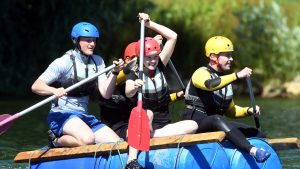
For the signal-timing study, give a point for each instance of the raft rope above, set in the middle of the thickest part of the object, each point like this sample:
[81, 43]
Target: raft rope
[95, 154]
[44, 149]
[110, 152]
[179, 151]
[109, 158]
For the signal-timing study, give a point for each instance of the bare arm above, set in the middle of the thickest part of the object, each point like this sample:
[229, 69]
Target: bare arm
[132, 87]
[41, 88]
[107, 87]
[167, 33]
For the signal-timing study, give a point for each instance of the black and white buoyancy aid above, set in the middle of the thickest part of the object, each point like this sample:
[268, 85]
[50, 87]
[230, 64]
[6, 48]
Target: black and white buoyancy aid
[215, 102]
[156, 94]
[223, 96]
[79, 74]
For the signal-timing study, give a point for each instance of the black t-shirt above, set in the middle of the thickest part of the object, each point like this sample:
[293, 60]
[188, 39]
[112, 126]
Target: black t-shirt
[115, 112]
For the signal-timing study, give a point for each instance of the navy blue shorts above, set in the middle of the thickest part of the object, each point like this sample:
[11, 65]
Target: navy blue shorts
[57, 120]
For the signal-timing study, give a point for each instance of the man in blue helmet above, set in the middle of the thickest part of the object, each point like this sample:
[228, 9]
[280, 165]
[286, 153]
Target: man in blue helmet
[69, 120]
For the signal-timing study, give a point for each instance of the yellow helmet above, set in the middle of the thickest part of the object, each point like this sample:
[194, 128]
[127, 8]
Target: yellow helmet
[218, 44]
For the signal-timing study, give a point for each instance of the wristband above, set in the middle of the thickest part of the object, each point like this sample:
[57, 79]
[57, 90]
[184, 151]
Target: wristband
[115, 73]
[248, 112]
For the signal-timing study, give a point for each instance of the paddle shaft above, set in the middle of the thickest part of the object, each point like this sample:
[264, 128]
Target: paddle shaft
[138, 125]
[141, 59]
[249, 84]
[172, 67]
[141, 67]
[17, 115]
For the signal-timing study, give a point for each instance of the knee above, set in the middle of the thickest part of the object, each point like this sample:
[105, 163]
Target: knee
[87, 140]
[150, 115]
[217, 118]
[220, 123]
[191, 127]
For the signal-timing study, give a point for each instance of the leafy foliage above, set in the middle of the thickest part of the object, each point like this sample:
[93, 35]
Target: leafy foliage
[195, 21]
[260, 31]
[34, 33]
[266, 41]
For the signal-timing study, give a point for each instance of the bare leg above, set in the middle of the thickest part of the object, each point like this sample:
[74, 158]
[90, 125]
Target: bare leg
[178, 128]
[76, 133]
[150, 118]
[133, 153]
[106, 134]
[65, 140]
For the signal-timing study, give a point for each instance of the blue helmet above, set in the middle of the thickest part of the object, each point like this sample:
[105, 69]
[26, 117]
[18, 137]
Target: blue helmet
[84, 29]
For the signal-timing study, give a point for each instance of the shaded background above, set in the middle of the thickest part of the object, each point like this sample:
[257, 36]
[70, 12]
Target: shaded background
[265, 34]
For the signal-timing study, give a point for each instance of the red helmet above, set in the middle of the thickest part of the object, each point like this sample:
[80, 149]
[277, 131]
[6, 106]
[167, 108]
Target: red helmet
[130, 51]
[151, 47]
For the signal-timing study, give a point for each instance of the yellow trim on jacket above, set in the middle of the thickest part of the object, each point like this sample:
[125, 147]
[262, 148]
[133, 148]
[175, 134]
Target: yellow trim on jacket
[235, 111]
[202, 74]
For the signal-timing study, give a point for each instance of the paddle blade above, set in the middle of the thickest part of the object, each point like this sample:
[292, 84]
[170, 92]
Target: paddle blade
[5, 126]
[138, 130]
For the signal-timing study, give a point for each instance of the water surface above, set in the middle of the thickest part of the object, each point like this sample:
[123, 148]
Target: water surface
[280, 119]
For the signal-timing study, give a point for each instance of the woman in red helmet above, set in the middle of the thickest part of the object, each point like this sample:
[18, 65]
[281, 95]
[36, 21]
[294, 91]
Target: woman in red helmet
[115, 112]
[155, 88]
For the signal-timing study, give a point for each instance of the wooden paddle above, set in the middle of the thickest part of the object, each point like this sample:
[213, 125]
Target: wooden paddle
[249, 84]
[7, 119]
[138, 126]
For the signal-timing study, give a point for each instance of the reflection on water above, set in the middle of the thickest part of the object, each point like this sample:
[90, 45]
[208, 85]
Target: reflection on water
[280, 119]
[9, 164]
[290, 159]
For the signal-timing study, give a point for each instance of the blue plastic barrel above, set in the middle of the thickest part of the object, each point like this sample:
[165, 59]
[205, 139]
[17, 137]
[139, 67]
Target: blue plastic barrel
[242, 160]
[199, 156]
[99, 162]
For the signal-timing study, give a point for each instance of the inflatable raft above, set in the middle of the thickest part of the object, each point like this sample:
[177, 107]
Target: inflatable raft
[195, 151]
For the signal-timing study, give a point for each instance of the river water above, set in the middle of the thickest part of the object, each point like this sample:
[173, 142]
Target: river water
[280, 119]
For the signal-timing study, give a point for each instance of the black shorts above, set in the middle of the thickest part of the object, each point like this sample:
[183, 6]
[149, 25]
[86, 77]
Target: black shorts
[122, 132]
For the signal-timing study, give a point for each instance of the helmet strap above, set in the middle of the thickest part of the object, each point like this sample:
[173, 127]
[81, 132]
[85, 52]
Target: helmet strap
[219, 66]
[77, 46]
[215, 60]
[151, 73]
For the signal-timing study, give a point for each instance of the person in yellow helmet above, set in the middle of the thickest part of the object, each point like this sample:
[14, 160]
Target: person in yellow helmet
[209, 97]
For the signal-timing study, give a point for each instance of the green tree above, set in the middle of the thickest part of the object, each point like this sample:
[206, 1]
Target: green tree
[266, 42]
[195, 21]
[34, 33]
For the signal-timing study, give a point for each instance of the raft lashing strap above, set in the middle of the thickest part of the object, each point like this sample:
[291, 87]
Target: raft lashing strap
[44, 149]
[116, 144]
[179, 151]
[95, 154]
[109, 158]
